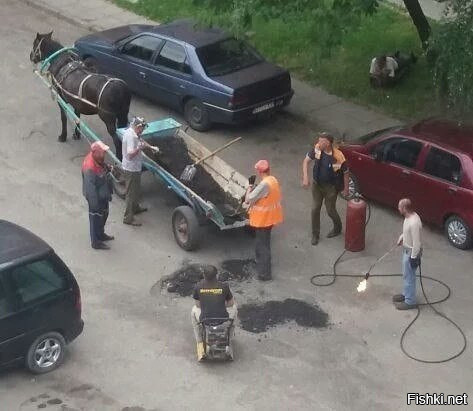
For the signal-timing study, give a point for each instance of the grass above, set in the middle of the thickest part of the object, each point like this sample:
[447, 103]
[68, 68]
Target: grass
[345, 71]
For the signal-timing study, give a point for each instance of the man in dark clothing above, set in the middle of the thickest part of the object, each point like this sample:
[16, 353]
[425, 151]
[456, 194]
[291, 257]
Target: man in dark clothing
[97, 189]
[330, 176]
[213, 299]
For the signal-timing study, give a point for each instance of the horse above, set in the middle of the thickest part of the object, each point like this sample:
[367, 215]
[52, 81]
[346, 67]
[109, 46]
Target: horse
[87, 92]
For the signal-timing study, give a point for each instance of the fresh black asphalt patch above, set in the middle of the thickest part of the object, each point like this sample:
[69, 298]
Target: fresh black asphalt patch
[183, 280]
[258, 318]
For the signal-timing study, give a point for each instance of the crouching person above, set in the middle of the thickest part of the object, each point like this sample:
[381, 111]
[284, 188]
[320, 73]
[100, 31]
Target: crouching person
[97, 189]
[213, 299]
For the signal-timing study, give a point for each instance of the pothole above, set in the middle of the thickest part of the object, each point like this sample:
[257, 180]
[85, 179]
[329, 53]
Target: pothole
[236, 270]
[257, 318]
[183, 280]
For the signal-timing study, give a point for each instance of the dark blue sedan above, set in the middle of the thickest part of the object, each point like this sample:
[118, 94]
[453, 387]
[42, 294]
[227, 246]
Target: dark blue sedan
[204, 72]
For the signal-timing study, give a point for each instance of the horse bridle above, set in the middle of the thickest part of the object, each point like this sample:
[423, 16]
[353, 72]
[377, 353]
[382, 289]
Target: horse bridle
[37, 50]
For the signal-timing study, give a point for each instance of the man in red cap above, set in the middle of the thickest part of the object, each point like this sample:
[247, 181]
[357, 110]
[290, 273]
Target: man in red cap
[97, 189]
[265, 211]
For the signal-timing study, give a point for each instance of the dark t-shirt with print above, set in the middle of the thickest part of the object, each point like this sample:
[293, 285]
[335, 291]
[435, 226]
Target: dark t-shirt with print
[212, 297]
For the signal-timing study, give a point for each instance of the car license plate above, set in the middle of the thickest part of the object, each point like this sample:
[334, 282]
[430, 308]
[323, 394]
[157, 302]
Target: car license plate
[268, 106]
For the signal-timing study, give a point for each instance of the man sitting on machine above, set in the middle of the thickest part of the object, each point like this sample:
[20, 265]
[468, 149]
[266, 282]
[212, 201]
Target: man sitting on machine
[213, 299]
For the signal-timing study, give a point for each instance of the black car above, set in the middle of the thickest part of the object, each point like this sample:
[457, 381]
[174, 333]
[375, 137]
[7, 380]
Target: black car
[205, 72]
[40, 303]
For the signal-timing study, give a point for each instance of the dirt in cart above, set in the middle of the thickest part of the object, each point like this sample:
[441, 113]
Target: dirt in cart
[174, 157]
[257, 318]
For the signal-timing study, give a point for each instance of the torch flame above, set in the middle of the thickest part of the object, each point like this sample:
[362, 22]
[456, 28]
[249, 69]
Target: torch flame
[362, 286]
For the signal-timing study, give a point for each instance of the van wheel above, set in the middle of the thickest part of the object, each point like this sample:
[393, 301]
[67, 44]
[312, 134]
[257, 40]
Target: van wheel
[458, 233]
[46, 353]
[197, 115]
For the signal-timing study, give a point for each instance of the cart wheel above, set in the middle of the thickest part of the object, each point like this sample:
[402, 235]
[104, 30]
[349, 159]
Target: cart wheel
[185, 227]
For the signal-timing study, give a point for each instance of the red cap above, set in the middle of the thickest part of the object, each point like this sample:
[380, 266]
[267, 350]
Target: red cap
[262, 166]
[98, 146]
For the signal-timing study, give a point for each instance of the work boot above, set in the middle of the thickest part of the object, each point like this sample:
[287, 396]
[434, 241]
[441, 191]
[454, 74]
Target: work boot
[100, 246]
[140, 210]
[404, 306]
[398, 298]
[132, 222]
[315, 240]
[334, 233]
[200, 351]
[107, 237]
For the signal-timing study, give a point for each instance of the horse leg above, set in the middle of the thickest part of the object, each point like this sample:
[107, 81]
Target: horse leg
[63, 136]
[110, 122]
[122, 119]
[77, 129]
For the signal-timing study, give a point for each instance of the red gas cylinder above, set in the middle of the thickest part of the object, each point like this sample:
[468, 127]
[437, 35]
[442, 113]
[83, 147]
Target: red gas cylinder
[355, 225]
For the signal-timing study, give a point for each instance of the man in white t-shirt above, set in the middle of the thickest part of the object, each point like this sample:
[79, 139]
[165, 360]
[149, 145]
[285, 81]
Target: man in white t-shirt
[411, 241]
[132, 163]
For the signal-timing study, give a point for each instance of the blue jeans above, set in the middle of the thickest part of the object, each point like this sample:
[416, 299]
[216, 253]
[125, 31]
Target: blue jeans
[409, 278]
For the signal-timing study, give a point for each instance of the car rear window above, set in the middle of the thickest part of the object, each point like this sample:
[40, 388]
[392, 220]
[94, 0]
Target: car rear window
[227, 56]
[38, 280]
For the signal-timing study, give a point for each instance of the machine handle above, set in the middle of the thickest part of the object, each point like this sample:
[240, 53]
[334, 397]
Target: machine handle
[406, 172]
[142, 74]
[452, 190]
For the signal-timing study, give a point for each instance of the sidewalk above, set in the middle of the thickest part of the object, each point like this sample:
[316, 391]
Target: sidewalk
[310, 105]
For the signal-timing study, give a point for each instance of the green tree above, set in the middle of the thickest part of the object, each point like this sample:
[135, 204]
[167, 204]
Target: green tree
[452, 48]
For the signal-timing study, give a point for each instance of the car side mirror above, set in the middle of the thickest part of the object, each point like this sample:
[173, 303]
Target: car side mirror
[377, 155]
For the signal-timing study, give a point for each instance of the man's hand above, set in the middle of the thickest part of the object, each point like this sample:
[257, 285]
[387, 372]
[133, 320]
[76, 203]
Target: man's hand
[305, 182]
[251, 180]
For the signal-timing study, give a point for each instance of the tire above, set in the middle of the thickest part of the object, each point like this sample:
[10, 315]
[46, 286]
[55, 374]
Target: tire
[197, 115]
[458, 233]
[51, 359]
[186, 228]
[353, 187]
[91, 64]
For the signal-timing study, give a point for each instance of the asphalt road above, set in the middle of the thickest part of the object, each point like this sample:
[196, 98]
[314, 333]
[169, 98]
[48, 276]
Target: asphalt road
[137, 348]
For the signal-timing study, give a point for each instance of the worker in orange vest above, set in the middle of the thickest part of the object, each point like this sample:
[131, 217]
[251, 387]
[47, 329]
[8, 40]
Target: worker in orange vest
[265, 211]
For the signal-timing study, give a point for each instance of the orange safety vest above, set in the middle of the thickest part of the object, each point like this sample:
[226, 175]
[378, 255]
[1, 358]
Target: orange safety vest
[267, 211]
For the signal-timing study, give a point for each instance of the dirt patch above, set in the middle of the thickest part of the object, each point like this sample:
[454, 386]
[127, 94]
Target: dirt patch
[257, 318]
[174, 157]
[236, 270]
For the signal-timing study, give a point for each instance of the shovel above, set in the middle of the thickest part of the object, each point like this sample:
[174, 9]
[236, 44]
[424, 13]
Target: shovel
[190, 170]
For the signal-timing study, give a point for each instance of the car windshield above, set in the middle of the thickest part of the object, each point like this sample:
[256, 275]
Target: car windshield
[227, 56]
[368, 137]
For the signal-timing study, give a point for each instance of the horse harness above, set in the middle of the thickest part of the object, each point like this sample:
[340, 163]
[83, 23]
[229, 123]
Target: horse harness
[70, 68]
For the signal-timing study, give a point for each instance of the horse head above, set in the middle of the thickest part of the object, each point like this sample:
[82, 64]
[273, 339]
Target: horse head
[41, 47]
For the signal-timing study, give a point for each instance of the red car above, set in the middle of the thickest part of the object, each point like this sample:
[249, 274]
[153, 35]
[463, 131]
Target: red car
[431, 163]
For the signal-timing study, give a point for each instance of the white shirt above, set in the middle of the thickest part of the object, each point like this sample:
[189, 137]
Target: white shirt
[411, 234]
[390, 68]
[129, 144]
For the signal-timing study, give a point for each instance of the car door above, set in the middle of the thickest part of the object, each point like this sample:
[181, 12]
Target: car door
[42, 293]
[10, 329]
[395, 159]
[438, 190]
[134, 60]
[171, 78]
